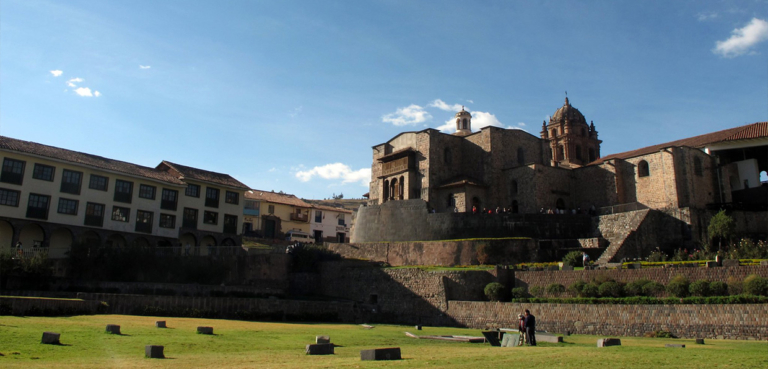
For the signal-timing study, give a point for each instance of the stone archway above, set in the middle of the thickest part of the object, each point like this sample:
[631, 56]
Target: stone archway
[189, 243]
[116, 241]
[228, 242]
[90, 239]
[208, 244]
[32, 235]
[6, 235]
[140, 242]
[60, 243]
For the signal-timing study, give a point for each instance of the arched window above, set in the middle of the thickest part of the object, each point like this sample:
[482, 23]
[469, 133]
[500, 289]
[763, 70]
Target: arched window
[394, 189]
[447, 155]
[554, 132]
[520, 156]
[578, 152]
[642, 169]
[560, 153]
[513, 188]
[592, 156]
[464, 123]
[697, 170]
[402, 188]
[385, 191]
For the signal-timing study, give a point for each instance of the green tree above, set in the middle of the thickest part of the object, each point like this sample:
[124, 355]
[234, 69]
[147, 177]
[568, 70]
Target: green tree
[721, 226]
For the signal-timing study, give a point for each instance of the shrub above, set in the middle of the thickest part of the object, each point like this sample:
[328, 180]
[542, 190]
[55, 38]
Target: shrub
[602, 278]
[718, 288]
[555, 289]
[519, 292]
[755, 285]
[573, 258]
[494, 291]
[735, 286]
[699, 288]
[590, 290]
[610, 289]
[577, 288]
[721, 226]
[653, 289]
[678, 286]
[635, 288]
[536, 291]
[659, 334]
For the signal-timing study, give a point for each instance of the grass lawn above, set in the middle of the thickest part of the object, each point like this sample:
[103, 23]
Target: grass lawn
[277, 345]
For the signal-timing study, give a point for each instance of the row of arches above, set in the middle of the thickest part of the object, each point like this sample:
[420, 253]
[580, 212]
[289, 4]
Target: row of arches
[394, 189]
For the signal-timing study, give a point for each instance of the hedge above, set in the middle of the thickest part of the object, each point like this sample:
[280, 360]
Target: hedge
[644, 300]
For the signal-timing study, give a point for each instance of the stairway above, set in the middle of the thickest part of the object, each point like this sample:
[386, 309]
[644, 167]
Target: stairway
[616, 228]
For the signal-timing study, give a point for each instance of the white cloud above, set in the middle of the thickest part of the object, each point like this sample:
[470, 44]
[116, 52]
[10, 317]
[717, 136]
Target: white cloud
[57, 73]
[705, 16]
[470, 101]
[442, 105]
[409, 115]
[272, 170]
[337, 171]
[84, 91]
[97, 93]
[76, 80]
[742, 39]
[145, 66]
[70, 84]
[480, 119]
[521, 124]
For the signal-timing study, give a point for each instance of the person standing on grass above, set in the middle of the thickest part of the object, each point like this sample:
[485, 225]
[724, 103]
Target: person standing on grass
[530, 327]
[521, 329]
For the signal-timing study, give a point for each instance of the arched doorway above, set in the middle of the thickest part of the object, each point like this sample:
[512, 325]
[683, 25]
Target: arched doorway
[228, 242]
[32, 235]
[394, 189]
[61, 243]
[208, 244]
[90, 239]
[6, 235]
[189, 244]
[116, 241]
[140, 242]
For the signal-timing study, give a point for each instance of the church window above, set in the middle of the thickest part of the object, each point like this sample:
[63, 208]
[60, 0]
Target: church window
[447, 155]
[697, 167]
[520, 156]
[642, 169]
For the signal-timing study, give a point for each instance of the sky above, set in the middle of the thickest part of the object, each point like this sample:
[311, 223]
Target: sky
[292, 95]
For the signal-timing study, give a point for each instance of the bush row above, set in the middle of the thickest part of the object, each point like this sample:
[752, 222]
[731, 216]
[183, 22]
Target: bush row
[645, 300]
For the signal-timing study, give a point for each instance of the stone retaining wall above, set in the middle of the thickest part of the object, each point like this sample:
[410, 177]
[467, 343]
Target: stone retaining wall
[685, 321]
[47, 306]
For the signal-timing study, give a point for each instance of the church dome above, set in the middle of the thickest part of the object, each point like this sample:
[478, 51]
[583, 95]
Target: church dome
[463, 113]
[568, 112]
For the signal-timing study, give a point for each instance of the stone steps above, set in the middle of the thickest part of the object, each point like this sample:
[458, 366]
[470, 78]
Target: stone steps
[616, 228]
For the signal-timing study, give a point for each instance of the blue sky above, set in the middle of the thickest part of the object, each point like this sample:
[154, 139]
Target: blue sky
[291, 95]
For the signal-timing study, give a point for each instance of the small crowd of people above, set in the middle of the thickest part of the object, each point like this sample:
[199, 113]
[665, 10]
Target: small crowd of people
[499, 210]
[527, 328]
[592, 211]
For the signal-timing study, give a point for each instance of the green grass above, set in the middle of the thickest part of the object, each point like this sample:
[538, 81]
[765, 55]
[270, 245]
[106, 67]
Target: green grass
[274, 345]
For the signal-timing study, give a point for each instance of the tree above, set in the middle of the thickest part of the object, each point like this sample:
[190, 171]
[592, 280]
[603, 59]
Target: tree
[721, 226]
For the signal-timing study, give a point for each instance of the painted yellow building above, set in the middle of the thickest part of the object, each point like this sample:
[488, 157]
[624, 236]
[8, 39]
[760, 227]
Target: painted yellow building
[274, 215]
[52, 197]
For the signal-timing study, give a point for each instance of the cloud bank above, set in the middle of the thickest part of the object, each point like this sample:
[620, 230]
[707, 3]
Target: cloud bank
[743, 39]
[57, 73]
[337, 171]
[409, 115]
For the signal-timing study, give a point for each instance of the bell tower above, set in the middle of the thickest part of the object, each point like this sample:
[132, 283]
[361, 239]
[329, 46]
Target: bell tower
[463, 123]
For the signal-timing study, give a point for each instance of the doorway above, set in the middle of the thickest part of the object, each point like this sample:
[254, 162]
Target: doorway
[318, 237]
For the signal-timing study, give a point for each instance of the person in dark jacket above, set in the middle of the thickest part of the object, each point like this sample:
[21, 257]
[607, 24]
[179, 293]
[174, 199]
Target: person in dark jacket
[530, 327]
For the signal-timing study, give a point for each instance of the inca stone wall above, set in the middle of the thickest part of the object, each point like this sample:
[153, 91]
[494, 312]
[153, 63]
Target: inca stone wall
[410, 221]
[48, 307]
[684, 321]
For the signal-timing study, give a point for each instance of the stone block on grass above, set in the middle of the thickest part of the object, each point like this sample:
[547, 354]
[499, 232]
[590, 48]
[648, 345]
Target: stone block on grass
[548, 337]
[154, 352]
[51, 338]
[605, 342]
[492, 337]
[674, 345]
[160, 324]
[510, 340]
[699, 341]
[113, 328]
[322, 339]
[320, 349]
[391, 353]
[205, 330]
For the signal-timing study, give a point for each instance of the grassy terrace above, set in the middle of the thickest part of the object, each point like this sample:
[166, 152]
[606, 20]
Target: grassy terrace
[273, 345]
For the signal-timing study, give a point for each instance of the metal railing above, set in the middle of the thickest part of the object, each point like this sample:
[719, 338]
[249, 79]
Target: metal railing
[28, 252]
[621, 208]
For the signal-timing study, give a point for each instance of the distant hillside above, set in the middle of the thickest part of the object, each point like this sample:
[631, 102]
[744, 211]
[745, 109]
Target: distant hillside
[349, 204]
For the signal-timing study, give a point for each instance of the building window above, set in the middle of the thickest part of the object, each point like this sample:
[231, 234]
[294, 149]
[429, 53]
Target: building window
[123, 191]
[9, 197]
[193, 190]
[212, 197]
[37, 207]
[230, 223]
[318, 216]
[210, 217]
[147, 192]
[271, 209]
[94, 214]
[121, 214]
[341, 220]
[642, 169]
[232, 198]
[67, 206]
[167, 221]
[169, 199]
[98, 182]
[43, 172]
[13, 171]
[520, 156]
[70, 181]
[190, 218]
[143, 221]
[697, 169]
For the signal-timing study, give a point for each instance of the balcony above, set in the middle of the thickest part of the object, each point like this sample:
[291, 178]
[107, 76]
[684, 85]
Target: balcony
[300, 217]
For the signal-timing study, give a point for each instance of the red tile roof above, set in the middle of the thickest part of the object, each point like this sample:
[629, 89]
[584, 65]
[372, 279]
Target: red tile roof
[79, 158]
[749, 131]
[331, 208]
[279, 198]
[203, 175]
